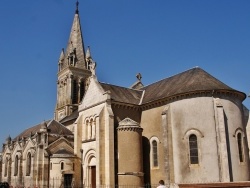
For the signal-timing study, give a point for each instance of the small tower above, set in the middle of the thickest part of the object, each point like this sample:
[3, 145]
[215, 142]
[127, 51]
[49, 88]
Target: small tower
[73, 72]
[130, 167]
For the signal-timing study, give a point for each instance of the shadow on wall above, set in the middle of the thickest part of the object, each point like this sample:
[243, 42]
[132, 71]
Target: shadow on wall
[146, 159]
[246, 127]
[228, 148]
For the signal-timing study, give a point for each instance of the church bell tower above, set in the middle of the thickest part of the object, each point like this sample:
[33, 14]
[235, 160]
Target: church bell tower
[73, 72]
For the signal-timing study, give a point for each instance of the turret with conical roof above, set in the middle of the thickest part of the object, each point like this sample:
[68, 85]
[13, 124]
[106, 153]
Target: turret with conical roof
[73, 72]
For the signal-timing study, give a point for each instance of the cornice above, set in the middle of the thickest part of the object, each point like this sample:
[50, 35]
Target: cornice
[130, 128]
[75, 69]
[129, 125]
[126, 105]
[160, 102]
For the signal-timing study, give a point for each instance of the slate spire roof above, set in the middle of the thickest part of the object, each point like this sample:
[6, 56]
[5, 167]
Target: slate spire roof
[76, 41]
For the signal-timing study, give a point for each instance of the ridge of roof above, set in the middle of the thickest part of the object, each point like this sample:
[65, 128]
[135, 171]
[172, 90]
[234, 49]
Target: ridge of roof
[32, 129]
[194, 79]
[50, 124]
[196, 67]
[120, 86]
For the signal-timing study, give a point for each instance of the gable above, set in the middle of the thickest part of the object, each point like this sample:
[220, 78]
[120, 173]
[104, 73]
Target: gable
[57, 128]
[59, 145]
[29, 147]
[94, 94]
[17, 147]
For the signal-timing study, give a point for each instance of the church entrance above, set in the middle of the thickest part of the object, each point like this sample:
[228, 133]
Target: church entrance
[68, 180]
[93, 176]
[92, 172]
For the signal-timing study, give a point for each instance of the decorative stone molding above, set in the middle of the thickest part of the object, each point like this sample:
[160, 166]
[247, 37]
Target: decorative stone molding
[208, 93]
[181, 96]
[239, 130]
[140, 174]
[128, 122]
[218, 102]
[193, 131]
[129, 125]
[32, 151]
[126, 106]
[164, 112]
[8, 156]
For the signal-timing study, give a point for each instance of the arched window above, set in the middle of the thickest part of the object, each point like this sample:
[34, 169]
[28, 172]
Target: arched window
[62, 165]
[16, 166]
[91, 129]
[240, 147]
[75, 92]
[155, 153]
[88, 130]
[6, 167]
[193, 149]
[28, 165]
[45, 138]
[82, 89]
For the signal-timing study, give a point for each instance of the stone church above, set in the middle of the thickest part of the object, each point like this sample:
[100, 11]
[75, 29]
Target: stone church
[186, 128]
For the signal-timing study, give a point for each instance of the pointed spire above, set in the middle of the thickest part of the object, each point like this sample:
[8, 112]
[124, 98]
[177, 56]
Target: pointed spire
[61, 61]
[88, 54]
[8, 140]
[75, 49]
[91, 64]
[61, 55]
[43, 127]
[77, 4]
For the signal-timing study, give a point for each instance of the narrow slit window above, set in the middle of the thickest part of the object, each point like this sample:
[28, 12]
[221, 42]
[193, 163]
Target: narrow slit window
[193, 149]
[240, 146]
[155, 153]
[6, 167]
[16, 166]
[82, 90]
[75, 92]
[28, 165]
[62, 166]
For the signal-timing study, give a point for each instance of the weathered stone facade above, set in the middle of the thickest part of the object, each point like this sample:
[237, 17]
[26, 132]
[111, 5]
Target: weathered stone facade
[187, 128]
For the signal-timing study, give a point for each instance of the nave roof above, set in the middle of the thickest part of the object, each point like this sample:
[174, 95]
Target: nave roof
[192, 80]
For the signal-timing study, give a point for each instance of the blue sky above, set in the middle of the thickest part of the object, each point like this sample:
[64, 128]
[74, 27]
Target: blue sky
[156, 38]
